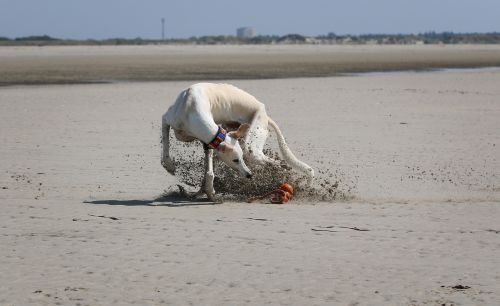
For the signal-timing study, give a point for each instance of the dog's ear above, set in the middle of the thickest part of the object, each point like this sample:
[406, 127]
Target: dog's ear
[241, 132]
[225, 148]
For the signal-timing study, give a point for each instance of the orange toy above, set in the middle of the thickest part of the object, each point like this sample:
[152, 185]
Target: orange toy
[279, 196]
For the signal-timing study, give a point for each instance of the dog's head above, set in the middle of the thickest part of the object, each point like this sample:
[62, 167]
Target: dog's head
[230, 151]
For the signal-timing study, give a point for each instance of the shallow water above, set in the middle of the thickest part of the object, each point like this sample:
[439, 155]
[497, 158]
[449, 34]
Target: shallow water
[434, 70]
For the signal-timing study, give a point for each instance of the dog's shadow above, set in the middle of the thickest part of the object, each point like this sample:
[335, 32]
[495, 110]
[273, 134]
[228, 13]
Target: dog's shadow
[168, 200]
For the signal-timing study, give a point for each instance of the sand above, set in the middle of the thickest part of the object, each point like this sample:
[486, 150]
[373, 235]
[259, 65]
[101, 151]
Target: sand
[418, 153]
[98, 64]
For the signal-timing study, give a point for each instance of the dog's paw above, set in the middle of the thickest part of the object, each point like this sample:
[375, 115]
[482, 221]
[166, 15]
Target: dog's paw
[169, 165]
[215, 199]
[310, 176]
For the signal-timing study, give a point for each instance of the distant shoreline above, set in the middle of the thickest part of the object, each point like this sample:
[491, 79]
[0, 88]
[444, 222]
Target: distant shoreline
[107, 64]
[292, 38]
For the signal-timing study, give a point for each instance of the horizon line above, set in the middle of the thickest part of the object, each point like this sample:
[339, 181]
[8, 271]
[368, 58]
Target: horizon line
[329, 34]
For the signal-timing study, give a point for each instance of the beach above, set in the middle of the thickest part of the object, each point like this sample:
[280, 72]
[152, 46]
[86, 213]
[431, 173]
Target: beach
[415, 156]
[105, 64]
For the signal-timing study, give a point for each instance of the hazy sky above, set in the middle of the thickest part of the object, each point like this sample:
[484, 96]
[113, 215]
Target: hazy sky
[184, 18]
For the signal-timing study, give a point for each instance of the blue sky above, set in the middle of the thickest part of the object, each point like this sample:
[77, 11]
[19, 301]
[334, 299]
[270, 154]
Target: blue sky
[82, 19]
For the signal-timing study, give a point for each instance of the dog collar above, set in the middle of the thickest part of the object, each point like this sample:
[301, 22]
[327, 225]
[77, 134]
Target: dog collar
[219, 137]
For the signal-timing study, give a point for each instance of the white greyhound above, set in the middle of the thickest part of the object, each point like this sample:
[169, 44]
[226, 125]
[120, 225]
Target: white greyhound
[197, 113]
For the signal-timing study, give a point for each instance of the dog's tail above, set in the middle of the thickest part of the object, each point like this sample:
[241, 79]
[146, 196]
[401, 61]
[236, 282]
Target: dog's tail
[288, 155]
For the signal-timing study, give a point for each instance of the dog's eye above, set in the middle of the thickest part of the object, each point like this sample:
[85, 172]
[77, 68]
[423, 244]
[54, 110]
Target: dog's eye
[236, 161]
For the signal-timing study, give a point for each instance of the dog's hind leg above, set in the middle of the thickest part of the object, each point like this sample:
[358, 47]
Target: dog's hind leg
[256, 139]
[166, 161]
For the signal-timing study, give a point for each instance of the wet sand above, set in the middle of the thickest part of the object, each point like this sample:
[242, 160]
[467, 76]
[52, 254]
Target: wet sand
[98, 64]
[81, 222]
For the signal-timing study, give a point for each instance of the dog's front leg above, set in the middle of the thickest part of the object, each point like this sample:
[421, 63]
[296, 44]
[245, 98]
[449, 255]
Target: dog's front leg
[207, 184]
[209, 174]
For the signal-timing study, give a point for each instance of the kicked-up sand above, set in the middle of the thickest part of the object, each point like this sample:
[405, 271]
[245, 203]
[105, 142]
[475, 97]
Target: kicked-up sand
[417, 156]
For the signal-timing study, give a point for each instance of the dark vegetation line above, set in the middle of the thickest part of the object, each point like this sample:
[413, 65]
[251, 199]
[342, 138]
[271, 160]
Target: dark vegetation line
[330, 38]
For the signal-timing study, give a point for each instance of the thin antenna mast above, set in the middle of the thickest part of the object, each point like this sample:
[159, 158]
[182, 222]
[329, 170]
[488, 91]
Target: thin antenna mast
[163, 29]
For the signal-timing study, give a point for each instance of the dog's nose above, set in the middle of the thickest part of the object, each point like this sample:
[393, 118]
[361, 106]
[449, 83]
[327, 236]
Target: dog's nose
[249, 176]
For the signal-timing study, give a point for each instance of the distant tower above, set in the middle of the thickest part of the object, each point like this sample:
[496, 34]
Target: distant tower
[163, 29]
[245, 32]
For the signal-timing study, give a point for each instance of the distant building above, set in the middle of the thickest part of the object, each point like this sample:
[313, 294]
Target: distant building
[246, 32]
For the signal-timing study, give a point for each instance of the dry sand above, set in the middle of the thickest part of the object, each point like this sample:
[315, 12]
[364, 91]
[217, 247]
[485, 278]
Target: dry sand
[418, 152]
